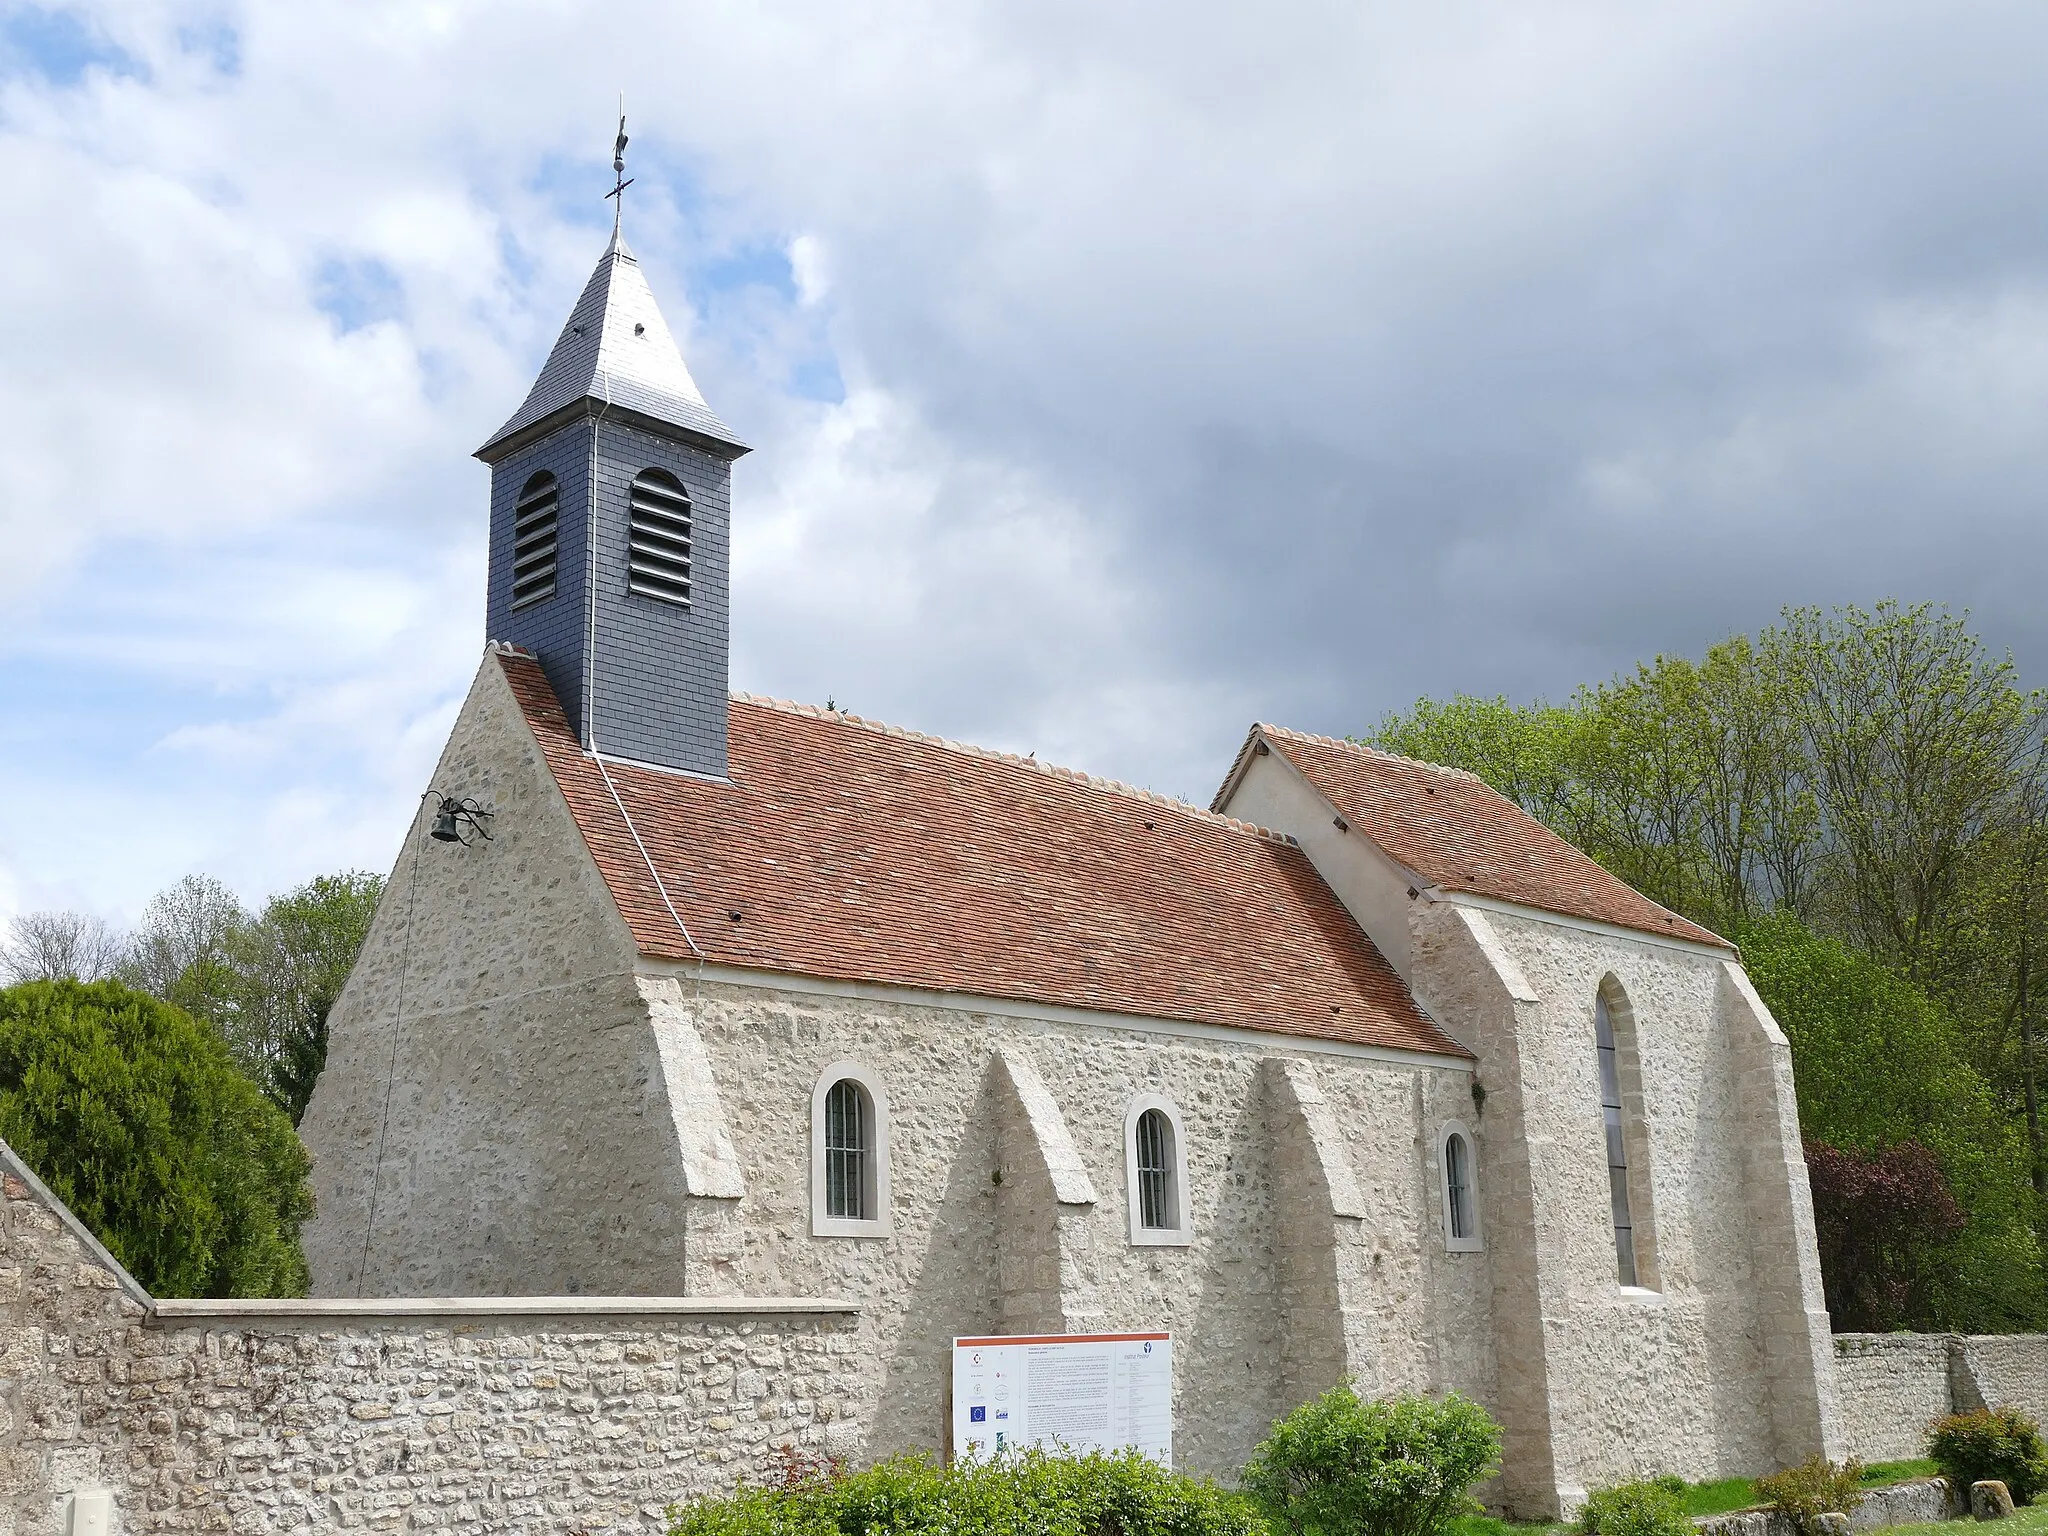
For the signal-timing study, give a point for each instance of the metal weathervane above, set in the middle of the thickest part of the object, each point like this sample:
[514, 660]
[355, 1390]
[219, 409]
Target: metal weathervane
[619, 169]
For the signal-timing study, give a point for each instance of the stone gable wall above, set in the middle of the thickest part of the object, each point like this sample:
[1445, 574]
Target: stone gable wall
[502, 1423]
[1716, 1364]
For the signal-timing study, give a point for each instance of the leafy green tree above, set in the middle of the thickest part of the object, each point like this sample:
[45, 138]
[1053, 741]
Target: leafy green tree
[180, 951]
[286, 970]
[1879, 1064]
[265, 983]
[1917, 739]
[138, 1119]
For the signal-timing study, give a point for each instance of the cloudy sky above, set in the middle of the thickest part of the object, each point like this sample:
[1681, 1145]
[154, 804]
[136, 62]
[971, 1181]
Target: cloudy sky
[1118, 373]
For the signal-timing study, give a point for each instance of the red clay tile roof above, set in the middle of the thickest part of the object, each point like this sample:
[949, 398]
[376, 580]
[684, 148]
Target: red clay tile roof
[849, 850]
[1453, 830]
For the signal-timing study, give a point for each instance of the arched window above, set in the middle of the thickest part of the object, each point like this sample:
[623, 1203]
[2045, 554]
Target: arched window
[658, 537]
[1456, 1165]
[533, 540]
[1628, 1184]
[849, 1153]
[1156, 1165]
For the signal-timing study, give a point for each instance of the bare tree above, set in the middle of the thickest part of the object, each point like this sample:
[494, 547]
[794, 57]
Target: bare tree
[59, 946]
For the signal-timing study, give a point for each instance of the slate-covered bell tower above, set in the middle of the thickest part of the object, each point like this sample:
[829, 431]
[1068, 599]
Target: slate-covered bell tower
[610, 521]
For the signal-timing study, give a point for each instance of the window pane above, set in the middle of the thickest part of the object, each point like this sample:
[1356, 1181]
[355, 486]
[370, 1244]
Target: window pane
[1455, 1158]
[846, 1152]
[1155, 1205]
[1617, 1146]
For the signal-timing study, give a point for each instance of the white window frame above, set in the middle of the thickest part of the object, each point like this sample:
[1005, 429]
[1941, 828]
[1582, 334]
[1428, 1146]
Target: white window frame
[823, 1225]
[1142, 1236]
[1476, 1239]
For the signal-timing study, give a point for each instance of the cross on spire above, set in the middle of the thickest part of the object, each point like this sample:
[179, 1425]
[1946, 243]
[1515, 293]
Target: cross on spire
[619, 175]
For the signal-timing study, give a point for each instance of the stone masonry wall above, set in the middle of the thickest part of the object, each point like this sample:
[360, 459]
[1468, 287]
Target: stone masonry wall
[1894, 1385]
[1697, 1369]
[240, 1417]
[972, 1252]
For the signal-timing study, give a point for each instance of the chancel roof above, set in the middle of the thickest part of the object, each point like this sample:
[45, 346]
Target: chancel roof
[1459, 834]
[844, 849]
[616, 351]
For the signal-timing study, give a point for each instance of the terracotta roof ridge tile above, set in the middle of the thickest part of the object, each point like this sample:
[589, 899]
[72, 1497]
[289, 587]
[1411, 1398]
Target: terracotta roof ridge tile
[1359, 748]
[1055, 770]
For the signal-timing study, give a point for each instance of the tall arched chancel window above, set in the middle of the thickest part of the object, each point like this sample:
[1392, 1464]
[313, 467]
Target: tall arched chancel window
[849, 1153]
[1614, 1121]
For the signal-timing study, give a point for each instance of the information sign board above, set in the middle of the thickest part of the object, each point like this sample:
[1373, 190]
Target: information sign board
[1088, 1391]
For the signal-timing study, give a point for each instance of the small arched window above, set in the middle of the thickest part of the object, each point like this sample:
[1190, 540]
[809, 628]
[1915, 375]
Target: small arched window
[1457, 1166]
[1155, 1158]
[534, 533]
[849, 1153]
[658, 537]
[1628, 1166]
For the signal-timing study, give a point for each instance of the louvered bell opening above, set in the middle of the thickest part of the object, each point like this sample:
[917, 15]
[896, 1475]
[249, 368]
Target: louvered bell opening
[534, 530]
[658, 546]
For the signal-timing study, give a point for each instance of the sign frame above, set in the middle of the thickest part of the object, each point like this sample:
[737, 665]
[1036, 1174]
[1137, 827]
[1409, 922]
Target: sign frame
[1079, 1391]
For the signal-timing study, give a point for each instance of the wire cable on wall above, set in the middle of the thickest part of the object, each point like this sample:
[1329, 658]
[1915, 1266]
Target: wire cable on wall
[397, 1025]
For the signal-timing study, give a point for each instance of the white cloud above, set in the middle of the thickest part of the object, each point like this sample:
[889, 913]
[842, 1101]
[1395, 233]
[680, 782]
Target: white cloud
[1196, 363]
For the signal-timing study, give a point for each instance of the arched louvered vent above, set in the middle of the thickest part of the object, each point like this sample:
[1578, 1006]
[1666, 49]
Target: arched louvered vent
[658, 550]
[533, 541]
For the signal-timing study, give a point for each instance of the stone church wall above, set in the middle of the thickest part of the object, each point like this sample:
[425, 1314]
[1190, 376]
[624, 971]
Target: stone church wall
[1311, 1179]
[254, 1417]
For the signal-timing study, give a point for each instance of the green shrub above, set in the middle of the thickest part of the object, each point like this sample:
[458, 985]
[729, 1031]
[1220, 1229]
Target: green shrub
[1652, 1508]
[1813, 1488]
[1340, 1465]
[1027, 1493]
[135, 1116]
[1992, 1443]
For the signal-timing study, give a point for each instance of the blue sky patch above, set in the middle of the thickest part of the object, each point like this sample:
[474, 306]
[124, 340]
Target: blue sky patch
[218, 43]
[358, 291]
[59, 46]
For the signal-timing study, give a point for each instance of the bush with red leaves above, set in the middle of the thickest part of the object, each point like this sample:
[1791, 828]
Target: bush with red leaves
[1881, 1218]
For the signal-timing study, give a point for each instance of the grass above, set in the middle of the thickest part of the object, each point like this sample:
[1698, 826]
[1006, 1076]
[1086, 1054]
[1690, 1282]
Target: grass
[1722, 1497]
[1729, 1494]
[2032, 1518]
[1486, 1525]
[1726, 1495]
[1882, 1473]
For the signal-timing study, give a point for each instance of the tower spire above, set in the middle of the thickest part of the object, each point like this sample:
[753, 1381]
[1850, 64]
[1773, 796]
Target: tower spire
[611, 496]
[620, 179]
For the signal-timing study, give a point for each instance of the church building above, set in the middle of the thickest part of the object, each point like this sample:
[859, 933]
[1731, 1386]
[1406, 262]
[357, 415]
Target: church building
[1358, 1072]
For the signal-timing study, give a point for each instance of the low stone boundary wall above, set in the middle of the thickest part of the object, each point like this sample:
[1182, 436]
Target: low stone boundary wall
[1901, 1504]
[528, 1414]
[1893, 1385]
